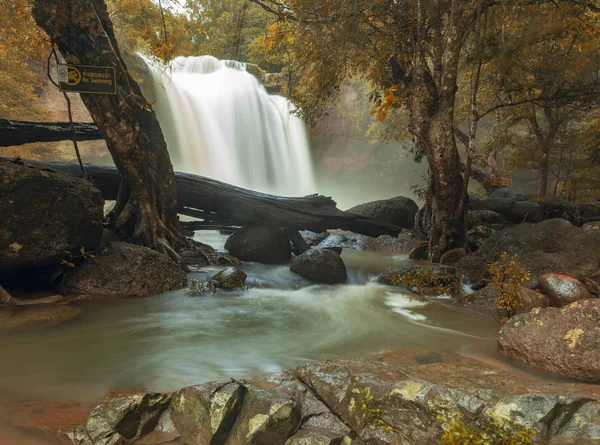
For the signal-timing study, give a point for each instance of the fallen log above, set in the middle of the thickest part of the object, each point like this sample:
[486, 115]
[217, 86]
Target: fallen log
[218, 203]
[25, 132]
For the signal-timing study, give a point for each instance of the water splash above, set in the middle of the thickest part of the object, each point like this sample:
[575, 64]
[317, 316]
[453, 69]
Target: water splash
[220, 122]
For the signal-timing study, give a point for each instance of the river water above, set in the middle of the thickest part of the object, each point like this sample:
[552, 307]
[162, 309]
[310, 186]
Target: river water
[171, 340]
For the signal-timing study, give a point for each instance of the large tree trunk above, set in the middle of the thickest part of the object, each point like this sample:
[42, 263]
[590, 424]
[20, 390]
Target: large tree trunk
[433, 96]
[146, 211]
[218, 203]
[23, 132]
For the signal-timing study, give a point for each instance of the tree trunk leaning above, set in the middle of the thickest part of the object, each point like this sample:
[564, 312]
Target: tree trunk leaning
[146, 209]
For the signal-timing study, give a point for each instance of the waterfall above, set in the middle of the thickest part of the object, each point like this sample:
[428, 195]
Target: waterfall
[220, 122]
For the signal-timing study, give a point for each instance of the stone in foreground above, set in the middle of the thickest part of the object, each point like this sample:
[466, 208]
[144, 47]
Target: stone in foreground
[565, 341]
[320, 266]
[391, 399]
[45, 213]
[124, 270]
[260, 243]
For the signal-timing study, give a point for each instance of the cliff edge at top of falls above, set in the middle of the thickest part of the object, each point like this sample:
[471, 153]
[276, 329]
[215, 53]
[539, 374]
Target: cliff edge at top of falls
[396, 398]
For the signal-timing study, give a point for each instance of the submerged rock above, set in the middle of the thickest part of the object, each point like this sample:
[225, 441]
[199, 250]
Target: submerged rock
[320, 266]
[565, 341]
[229, 279]
[260, 243]
[549, 246]
[45, 213]
[124, 270]
[399, 211]
[562, 289]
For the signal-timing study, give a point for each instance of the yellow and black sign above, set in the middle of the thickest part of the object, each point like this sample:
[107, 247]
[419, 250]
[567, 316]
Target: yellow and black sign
[87, 79]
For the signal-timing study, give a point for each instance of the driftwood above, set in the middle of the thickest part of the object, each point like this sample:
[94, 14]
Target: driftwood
[221, 204]
[23, 132]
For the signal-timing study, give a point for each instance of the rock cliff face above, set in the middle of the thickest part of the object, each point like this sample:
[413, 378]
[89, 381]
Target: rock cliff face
[399, 398]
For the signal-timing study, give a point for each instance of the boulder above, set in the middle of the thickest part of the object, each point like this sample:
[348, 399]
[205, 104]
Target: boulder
[498, 205]
[478, 235]
[556, 207]
[399, 211]
[589, 209]
[229, 279]
[340, 239]
[260, 243]
[313, 238]
[562, 289]
[404, 242]
[549, 246]
[452, 257]
[525, 211]
[424, 278]
[419, 252]
[483, 217]
[320, 266]
[564, 341]
[484, 301]
[124, 270]
[510, 193]
[45, 213]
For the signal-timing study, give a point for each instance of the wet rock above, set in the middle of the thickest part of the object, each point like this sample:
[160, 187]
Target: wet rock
[425, 278]
[164, 431]
[124, 270]
[30, 316]
[484, 217]
[556, 207]
[525, 211]
[484, 301]
[267, 416]
[312, 238]
[260, 243]
[230, 278]
[420, 252]
[44, 214]
[135, 416]
[320, 266]
[196, 254]
[510, 193]
[204, 414]
[562, 289]
[399, 211]
[5, 297]
[564, 341]
[340, 239]
[550, 246]
[497, 205]
[452, 257]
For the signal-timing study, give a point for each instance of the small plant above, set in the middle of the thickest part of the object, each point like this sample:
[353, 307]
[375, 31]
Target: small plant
[507, 277]
[70, 260]
[421, 281]
[457, 432]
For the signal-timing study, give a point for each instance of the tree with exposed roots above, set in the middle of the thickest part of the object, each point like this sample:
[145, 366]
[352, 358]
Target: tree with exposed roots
[146, 209]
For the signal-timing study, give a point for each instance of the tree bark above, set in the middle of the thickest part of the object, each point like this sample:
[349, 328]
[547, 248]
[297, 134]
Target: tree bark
[24, 132]
[433, 95]
[221, 204]
[146, 211]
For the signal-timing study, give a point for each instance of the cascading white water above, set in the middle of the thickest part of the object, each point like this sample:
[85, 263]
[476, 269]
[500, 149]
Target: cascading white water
[220, 122]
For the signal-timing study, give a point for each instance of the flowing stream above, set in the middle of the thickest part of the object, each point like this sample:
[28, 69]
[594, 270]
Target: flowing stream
[220, 122]
[171, 340]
